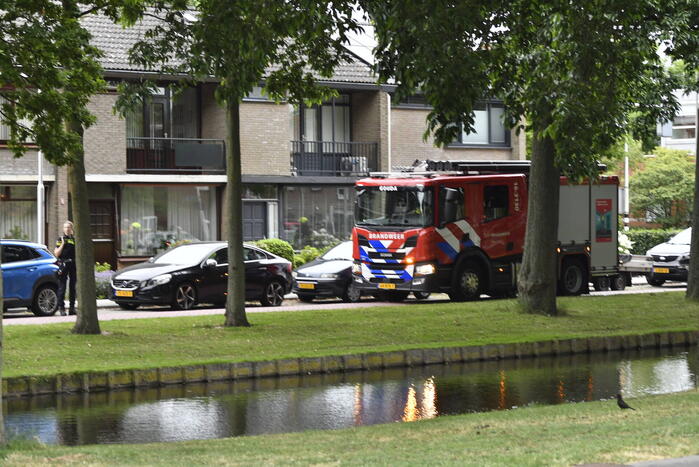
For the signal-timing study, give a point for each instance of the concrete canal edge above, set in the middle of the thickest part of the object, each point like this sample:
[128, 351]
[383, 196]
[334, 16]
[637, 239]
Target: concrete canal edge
[152, 377]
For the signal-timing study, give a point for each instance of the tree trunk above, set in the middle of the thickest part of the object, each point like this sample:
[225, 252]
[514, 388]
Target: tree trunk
[537, 278]
[235, 303]
[693, 279]
[86, 321]
[2, 313]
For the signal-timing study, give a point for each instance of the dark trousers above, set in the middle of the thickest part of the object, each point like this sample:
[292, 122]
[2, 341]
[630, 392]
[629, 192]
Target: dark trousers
[70, 276]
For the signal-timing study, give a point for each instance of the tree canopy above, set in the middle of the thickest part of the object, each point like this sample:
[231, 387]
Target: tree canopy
[571, 72]
[49, 72]
[663, 189]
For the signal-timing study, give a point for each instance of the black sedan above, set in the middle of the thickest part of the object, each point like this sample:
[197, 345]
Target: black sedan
[329, 275]
[198, 272]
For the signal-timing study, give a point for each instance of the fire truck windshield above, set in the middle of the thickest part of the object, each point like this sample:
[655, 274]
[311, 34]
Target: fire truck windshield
[394, 206]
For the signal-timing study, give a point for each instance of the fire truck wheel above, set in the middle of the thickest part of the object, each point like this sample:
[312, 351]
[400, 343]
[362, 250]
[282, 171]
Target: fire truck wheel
[468, 283]
[572, 280]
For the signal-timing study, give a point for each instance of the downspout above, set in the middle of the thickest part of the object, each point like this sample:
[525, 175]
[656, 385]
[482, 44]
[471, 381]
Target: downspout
[40, 199]
[388, 138]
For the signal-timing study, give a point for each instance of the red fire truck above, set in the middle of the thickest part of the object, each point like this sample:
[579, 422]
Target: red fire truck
[458, 227]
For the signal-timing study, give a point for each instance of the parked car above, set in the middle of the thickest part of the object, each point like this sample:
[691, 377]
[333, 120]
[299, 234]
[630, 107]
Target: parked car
[30, 277]
[198, 273]
[329, 275]
[670, 259]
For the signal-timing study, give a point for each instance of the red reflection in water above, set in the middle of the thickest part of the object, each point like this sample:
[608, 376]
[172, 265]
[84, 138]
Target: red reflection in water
[502, 391]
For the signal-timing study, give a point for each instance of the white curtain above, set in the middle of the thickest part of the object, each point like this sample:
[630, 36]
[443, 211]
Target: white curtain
[153, 215]
[191, 212]
[138, 220]
[18, 220]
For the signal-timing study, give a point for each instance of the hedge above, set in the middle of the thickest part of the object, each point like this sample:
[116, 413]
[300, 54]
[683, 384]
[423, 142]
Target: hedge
[277, 247]
[645, 239]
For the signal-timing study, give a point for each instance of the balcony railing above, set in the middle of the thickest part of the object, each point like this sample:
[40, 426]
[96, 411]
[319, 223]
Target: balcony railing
[175, 156]
[334, 158]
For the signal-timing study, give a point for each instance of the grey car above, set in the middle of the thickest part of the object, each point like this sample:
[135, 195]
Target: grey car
[670, 259]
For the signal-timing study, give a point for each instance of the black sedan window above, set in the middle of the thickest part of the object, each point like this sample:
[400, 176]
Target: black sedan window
[251, 255]
[221, 256]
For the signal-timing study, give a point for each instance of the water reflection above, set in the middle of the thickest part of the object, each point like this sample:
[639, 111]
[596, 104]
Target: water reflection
[203, 411]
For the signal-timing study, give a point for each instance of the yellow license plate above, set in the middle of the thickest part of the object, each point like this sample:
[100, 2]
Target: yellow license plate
[306, 285]
[661, 270]
[124, 293]
[386, 285]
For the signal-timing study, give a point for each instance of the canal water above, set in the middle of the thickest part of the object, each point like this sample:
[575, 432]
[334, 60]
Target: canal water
[278, 405]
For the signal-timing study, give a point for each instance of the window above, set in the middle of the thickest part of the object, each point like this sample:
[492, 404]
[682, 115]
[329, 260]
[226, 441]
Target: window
[221, 256]
[488, 125]
[316, 215]
[495, 202]
[414, 101]
[328, 122]
[257, 95]
[4, 128]
[253, 255]
[451, 205]
[154, 215]
[166, 115]
[16, 253]
[18, 212]
[394, 206]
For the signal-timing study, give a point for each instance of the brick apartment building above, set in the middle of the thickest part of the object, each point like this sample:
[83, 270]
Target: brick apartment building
[158, 175]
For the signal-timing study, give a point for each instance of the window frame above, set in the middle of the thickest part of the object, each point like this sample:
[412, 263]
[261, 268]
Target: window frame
[165, 96]
[507, 206]
[4, 142]
[333, 102]
[489, 105]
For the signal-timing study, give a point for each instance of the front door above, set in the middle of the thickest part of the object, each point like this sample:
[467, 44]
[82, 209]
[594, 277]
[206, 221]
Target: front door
[103, 231]
[254, 220]
[215, 280]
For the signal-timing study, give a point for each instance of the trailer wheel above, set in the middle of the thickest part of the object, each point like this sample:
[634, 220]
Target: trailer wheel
[572, 281]
[618, 282]
[467, 284]
[602, 283]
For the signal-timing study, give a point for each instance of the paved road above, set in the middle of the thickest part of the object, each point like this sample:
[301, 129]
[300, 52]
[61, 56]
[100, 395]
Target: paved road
[108, 311]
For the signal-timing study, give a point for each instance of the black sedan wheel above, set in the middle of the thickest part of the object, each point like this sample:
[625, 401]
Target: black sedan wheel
[185, 297]
[306, 298]
[273, 294]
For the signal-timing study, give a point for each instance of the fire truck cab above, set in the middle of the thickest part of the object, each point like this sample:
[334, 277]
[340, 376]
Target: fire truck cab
[462, 231]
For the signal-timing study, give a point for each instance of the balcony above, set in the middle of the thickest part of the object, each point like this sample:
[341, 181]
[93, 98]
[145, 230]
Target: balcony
[334, 159]
[183, 156]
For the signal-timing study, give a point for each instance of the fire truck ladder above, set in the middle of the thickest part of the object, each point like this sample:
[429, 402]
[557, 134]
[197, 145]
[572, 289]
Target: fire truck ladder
[463, 167]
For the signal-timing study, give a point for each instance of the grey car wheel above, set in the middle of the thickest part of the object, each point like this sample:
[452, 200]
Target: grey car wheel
[45, 301]
[273, 294]
[185, 297]
[352, 294]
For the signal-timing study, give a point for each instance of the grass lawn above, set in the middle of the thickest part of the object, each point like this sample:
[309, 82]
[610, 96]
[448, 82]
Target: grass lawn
[146, 343]
[593, 432]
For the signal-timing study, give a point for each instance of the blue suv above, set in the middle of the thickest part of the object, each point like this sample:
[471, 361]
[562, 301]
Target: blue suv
[30, 277]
